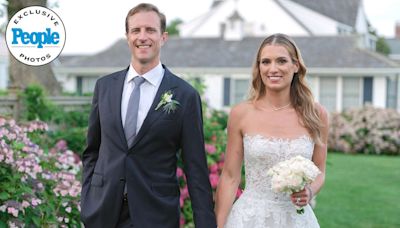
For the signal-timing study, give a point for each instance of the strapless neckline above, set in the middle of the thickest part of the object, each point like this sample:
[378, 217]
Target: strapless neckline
[277, 139]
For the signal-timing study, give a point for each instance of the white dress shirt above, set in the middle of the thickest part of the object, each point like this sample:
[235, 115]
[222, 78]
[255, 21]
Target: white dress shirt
[148, 91]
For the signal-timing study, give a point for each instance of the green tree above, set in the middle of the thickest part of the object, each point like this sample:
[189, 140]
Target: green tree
[382, 46]
[172, 28]
[36, 105]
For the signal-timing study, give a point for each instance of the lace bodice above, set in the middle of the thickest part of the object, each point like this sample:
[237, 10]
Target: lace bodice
[259, 206]
[261, 153]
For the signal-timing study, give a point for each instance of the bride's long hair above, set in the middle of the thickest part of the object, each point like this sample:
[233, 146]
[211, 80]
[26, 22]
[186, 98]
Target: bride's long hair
[300, 94]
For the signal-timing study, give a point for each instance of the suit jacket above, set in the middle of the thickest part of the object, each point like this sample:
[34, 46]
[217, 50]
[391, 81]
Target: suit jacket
[148, 167]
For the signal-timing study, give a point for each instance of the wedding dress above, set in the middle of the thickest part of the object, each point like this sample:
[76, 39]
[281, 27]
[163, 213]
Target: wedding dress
[259, 206]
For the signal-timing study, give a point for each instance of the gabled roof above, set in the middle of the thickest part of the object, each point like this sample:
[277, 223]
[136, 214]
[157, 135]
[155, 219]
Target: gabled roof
[318, 52]
[344, 11]
[296, 17]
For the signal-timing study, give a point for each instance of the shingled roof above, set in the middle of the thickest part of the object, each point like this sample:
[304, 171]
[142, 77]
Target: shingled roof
[318, 52]
[344, 11]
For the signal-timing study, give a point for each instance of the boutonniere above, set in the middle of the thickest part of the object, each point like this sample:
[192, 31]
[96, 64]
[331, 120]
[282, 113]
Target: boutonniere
[168, 104]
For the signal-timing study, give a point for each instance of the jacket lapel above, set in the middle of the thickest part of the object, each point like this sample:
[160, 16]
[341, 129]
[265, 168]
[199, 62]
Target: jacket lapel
[153, 115]
[115, 101]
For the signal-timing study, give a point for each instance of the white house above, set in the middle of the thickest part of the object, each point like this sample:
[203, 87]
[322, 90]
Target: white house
[341, 74]
[220, 45]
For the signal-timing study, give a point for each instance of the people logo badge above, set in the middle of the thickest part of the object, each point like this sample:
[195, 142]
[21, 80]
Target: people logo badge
[35, 35]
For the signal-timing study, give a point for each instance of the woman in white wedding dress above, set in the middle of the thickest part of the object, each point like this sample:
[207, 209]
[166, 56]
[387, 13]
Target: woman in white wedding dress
[279, 121]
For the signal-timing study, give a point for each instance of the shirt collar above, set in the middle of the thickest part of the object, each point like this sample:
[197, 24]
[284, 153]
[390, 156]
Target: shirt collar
[153, 76]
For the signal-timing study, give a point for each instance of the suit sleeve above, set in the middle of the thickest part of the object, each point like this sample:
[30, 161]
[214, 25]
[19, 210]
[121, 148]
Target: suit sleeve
[195, 164]
[91, 152]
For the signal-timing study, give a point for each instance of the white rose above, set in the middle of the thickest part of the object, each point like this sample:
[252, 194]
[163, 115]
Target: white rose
[168, 98]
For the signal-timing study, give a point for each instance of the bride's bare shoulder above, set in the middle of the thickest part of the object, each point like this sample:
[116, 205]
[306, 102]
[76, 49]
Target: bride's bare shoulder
[241, 109]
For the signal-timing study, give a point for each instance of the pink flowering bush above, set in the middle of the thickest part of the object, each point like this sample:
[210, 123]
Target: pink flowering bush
[38, 188]
[365, 130]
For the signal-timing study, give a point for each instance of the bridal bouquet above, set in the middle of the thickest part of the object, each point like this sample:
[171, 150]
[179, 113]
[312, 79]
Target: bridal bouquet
[293, 175]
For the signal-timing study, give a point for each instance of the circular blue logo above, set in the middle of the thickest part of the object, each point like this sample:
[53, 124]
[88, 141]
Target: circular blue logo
[35, 35]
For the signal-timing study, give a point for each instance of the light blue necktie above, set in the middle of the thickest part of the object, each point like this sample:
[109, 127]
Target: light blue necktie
[132, 111]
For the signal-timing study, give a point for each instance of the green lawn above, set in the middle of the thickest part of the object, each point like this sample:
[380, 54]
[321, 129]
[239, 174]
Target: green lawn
[360, 191]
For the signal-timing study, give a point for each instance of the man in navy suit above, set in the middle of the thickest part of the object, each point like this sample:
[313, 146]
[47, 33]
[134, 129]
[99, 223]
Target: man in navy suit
[133, 183]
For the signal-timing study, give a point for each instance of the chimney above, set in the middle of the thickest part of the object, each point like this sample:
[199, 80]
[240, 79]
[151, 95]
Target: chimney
[397, 30]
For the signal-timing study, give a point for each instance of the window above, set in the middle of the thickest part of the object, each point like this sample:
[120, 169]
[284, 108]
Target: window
[88, 84]
[79, 85]
[391, 101]
[327, 94]
[368, 88]
[351, 92]
[235, 90]
[312, 84]
[85, 84]
[240, 90]
[344, 30]
[227, 91]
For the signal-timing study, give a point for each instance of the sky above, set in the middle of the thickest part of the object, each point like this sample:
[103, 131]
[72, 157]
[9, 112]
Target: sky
[94, 25]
